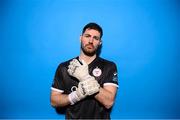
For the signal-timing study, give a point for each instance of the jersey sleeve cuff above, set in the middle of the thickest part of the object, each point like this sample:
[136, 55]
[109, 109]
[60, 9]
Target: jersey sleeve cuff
[110, 84]
[57, 90]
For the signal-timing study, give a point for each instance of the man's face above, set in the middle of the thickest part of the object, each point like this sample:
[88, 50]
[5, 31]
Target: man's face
[90, 41]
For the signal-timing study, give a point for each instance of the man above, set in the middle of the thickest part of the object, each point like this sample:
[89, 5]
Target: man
[86, 85]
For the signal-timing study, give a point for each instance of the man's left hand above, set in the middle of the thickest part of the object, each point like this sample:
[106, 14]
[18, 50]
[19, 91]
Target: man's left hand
[78, 70]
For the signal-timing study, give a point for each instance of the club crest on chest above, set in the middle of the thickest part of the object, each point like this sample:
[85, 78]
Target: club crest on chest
[97, 72]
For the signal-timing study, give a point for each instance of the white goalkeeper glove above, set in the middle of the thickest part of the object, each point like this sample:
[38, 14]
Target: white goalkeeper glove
[85, 88]
[79, 71]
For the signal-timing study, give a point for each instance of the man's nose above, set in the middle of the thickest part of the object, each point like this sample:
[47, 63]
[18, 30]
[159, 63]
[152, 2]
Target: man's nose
[91, 40]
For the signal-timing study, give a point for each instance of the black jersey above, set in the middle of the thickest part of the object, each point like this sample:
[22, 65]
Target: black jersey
[105, 72]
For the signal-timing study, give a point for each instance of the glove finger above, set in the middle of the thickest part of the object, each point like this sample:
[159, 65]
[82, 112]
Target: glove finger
[70, 71]
[75, 62]
[71, 67]
[82, 88]
[71, 62]
[88, 86]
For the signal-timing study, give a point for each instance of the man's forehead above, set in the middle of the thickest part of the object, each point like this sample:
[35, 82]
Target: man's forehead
[88, 30]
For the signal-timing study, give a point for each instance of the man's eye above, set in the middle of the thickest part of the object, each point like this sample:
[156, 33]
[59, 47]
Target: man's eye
[96, 38]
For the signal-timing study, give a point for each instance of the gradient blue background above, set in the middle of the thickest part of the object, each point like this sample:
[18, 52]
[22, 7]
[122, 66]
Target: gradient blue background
[140, 36]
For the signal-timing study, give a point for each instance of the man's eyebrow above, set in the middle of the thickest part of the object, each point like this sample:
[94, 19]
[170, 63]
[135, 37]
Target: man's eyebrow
[90, 35]
[87, 34]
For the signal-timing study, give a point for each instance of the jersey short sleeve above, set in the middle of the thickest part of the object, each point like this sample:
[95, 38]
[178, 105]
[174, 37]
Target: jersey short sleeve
[57, 84]
[112, 75]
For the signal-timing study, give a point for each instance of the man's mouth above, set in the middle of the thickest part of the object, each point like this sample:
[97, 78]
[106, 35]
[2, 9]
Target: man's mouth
[89, 46]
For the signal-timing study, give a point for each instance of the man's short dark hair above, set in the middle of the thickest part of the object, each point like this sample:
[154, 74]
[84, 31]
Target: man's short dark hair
[93, 26]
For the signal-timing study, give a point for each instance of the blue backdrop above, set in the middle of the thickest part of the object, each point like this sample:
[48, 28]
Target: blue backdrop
[140, 36]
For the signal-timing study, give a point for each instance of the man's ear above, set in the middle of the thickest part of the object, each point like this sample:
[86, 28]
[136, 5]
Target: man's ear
[80, 38]
[100, 42]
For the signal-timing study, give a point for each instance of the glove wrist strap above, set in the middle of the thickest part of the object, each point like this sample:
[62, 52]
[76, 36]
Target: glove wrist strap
[73, 98]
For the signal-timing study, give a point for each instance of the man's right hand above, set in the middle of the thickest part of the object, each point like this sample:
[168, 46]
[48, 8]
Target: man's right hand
[88, 87]
[85, 88]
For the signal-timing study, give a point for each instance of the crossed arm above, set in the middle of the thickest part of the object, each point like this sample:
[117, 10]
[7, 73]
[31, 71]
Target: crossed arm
[87, 86]
[105, 96]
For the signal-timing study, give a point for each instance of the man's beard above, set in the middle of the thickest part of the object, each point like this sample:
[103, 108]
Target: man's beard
[89, 52]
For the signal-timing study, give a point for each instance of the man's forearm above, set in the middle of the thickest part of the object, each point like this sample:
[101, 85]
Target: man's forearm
[59, 100]
[106, 97]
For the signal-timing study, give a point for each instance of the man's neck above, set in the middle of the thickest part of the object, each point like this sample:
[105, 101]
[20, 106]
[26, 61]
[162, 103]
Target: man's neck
[87, 59]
